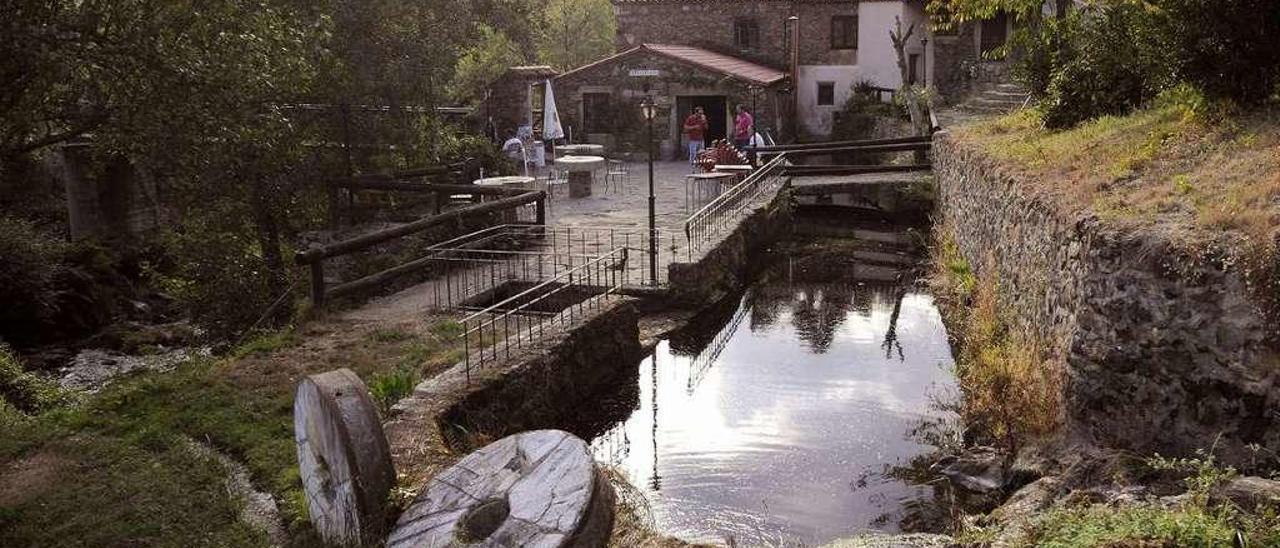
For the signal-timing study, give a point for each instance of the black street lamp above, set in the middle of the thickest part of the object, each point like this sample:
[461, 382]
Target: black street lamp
[924, 47]
[650, 111]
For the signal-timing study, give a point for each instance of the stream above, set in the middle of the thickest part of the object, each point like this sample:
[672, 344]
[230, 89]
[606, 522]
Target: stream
[770, 423]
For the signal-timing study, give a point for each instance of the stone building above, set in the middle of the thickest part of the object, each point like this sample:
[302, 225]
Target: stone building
[600, 101]
[794, 62]
[840, 43]
[515, 99]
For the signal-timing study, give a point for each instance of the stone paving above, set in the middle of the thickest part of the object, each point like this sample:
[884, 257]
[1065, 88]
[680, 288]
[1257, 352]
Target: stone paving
[629, 206]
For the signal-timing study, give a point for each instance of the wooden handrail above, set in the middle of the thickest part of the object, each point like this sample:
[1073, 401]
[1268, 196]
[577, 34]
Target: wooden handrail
[374, 238]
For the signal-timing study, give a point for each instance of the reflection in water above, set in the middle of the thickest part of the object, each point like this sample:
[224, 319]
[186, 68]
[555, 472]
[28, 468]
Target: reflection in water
[763, 433]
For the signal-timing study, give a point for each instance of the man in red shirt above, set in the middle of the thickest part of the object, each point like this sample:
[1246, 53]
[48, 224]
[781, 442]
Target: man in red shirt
[695, 129]
[743, 127]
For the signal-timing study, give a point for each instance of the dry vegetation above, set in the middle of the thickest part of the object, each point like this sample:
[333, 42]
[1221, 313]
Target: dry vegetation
[1012, 387]
[1179, 164]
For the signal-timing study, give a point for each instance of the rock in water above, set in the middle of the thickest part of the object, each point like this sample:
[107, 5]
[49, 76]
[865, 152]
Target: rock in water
[343, 458]
[538, 488]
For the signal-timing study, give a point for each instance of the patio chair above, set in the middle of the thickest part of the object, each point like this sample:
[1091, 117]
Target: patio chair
[617, 175]
[555, 178]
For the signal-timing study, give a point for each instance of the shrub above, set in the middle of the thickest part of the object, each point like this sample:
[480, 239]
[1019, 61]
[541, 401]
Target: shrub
[222, 279]
[1105, 60]
[30, 261]
[389, 388]
[28, 392]
[861, 112]
[1227, 48]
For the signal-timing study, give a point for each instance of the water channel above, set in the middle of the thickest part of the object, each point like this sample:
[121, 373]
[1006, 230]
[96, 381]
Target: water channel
[764, 426]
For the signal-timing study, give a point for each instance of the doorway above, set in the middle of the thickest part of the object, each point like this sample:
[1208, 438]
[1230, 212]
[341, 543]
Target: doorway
[716, 108]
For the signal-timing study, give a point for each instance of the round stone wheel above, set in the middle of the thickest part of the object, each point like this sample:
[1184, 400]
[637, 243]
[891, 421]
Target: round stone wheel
[343, 458]
[538, 488]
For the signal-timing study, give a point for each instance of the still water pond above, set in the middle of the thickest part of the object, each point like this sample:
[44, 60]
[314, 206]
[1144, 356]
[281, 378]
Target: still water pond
[763, 428]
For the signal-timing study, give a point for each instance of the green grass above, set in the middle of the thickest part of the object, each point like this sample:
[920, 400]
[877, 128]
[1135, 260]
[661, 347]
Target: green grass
[1175, 162]
[1105, 526]
[153, 493]
[132, 478]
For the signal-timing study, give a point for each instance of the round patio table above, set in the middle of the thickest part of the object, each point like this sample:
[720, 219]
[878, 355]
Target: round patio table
[581, 173]
[506, 180]
[580, 150]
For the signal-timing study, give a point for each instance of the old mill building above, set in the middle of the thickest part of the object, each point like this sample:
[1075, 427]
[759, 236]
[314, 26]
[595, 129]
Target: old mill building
[793, 63]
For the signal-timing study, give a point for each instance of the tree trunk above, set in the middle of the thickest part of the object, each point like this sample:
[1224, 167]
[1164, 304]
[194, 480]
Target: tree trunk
[268, 228]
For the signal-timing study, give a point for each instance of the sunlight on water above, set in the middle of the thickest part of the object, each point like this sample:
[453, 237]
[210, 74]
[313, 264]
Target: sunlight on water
[762, 431]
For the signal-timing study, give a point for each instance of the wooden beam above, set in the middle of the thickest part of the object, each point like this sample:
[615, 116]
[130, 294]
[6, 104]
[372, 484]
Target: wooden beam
[374, 238]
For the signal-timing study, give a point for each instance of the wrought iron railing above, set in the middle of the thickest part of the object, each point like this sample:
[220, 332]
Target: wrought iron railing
[706, 225]
[701, 363]
[521, 320]
[575, 241]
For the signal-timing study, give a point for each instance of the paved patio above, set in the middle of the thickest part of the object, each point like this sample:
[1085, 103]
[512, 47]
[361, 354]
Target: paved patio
[629, 206]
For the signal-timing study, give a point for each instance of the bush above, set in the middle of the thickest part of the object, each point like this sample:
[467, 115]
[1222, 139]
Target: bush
[28, 392]
[1227, 48]
[1103, 61]
[222, 280]
[861, 113]
[30, 262]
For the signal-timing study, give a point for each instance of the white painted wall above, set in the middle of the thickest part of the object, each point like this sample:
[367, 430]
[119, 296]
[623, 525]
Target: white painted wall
[876, 59]
[816, 119]
[877, 62]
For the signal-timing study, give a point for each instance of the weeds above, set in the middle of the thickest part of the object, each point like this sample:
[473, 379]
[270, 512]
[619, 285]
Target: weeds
[1011, 392]
[26, 391]
[391, 387]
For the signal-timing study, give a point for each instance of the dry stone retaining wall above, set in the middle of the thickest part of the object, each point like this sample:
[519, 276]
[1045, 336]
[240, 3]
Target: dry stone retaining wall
[1163, 351]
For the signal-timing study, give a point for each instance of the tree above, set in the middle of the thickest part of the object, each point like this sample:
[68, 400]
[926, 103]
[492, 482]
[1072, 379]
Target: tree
[914, 97]
[577, 32]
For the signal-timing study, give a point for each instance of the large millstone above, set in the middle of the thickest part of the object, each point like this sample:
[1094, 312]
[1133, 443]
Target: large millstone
[538, 488]
[343, 458]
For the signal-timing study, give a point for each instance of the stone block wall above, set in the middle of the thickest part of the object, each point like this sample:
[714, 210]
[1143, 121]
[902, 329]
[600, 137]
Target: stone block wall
[1163, 351]
[728, 266]
[675, 79]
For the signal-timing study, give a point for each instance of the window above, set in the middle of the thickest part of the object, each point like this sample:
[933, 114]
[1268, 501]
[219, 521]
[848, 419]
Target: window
[844, 32]
[826, 93]
[596, 112]
[913, 68]
[746, 33]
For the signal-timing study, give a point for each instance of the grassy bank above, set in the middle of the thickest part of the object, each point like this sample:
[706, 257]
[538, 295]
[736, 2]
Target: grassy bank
[119, 468]
[1179, 165]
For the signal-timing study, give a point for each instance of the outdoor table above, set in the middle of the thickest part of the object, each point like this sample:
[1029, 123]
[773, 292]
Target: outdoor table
[581, 150]
[739, 171]
[695, 185]
[581, 173]
[507, 180]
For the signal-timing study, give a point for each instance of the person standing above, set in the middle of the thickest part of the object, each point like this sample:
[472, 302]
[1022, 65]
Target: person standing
[695, 130]
[743, 127]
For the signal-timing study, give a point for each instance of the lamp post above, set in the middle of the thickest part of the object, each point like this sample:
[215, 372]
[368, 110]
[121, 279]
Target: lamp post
[650, 111]
[924, 47]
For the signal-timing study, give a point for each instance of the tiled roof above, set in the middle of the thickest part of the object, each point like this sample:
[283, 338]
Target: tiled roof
[728, 65]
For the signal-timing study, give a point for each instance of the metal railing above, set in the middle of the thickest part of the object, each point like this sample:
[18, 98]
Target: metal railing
[515, 322]
[699, 365]
[575, 241]
[704, 226]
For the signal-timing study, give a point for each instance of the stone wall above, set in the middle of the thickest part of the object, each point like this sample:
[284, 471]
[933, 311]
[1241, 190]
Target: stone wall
[536, 388]
[728, 266]
[1163, 351]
